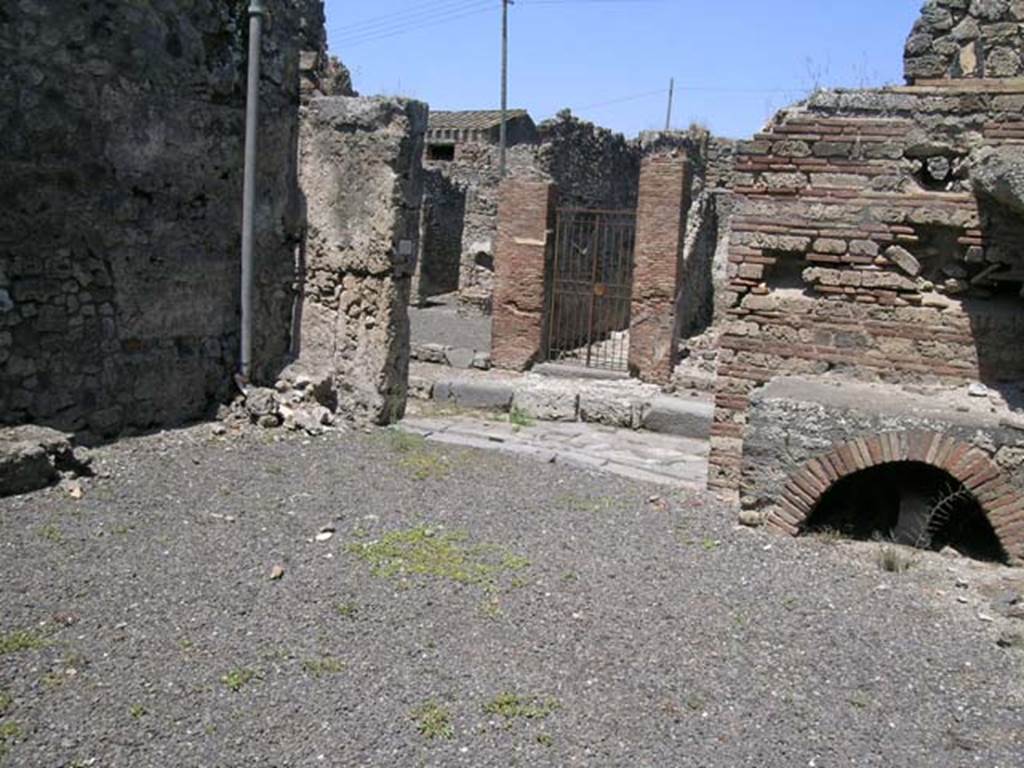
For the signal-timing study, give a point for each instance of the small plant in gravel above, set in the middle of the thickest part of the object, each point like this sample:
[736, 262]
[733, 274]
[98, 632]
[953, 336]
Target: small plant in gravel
[491, 608]
[22, 640]
[894, 559]
[5, 702]
[574, 503]
[419, 458]
[325, 666]
[236, 679]
[433, 721]
[511, 706]
[405, 442]
[347, 610]
[545, 740]
[424, 551]
[828, 534]
[860, 699]
[137, 711]
[51, 533]
[9, 733]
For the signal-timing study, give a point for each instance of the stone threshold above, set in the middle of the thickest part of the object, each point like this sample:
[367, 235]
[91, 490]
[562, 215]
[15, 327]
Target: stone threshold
[623, 404]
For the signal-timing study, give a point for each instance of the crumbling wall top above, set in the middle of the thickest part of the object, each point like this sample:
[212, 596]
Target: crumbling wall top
[954, 39]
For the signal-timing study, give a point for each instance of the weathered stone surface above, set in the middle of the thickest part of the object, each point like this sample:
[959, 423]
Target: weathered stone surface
[903, 259]
[359, 172]
[678, 416]
[30, 457]
[957, 38]
[999, 173]
[121, 184]
[546, 404]
[474, 394]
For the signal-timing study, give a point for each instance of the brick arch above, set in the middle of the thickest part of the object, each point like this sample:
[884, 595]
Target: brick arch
[1000, 500]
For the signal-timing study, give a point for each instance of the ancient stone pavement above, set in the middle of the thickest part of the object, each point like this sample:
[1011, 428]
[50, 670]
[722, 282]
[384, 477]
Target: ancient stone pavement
[640, 455]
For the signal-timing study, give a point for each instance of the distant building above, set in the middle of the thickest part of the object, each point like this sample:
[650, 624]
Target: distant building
[447, 130]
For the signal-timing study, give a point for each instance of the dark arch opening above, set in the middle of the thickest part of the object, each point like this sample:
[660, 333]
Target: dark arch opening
[909, 503]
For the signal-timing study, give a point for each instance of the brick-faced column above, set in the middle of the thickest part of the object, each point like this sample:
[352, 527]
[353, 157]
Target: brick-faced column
[662, 207]
[525, 218]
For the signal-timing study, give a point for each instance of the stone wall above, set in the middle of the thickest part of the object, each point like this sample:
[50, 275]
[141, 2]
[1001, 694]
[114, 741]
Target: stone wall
[120, 183]
[443, 221]
[360, 174]
[591, 166]
[966, 39]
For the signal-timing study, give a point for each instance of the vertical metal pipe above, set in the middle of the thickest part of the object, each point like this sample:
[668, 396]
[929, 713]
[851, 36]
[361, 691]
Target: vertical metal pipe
[256, 12]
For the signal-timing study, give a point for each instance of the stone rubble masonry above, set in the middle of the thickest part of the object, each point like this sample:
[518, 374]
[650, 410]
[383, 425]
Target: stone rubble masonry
[592, 167]
[966, 39]
[359, 170]
[525, 221]
[664, 200]
[33, 457]
[120, 184]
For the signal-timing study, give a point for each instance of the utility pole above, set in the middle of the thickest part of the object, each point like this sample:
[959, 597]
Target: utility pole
[504, 85]
[671, 93]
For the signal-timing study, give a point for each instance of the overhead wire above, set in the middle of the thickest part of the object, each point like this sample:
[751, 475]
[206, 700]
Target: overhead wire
[420, 21]
[371, 23]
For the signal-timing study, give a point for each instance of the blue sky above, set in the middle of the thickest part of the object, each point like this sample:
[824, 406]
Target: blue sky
[735, 63]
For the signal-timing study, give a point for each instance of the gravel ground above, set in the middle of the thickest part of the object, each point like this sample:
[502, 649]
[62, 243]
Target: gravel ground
[450, 325]
[594, 621]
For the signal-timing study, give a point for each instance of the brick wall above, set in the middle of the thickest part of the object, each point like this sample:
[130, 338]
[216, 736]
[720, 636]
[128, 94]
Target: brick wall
[860, 248]
[660, 232]
[525, 218]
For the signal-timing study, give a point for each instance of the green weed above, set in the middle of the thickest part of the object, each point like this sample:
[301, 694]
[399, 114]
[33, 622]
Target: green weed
[325, 666]
[894, 559]
[519, 418]
[424, 551]
[347, 610]
[14, 642]
[433, 721]
[511, 706]
[236, 679]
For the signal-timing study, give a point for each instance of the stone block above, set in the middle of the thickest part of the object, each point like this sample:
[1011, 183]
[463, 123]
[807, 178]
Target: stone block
[473, 394]
[547, 404]
[676, 416]
[29, 457]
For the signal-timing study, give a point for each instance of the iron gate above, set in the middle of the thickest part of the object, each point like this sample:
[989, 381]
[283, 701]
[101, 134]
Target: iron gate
[591, 284]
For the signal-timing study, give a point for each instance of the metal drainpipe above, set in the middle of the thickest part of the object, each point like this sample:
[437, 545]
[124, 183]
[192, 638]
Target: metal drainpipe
[256, 13]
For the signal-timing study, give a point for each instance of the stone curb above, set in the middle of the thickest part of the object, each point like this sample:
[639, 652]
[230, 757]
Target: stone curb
[474, 394]
[629, 410]
[675, 416]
